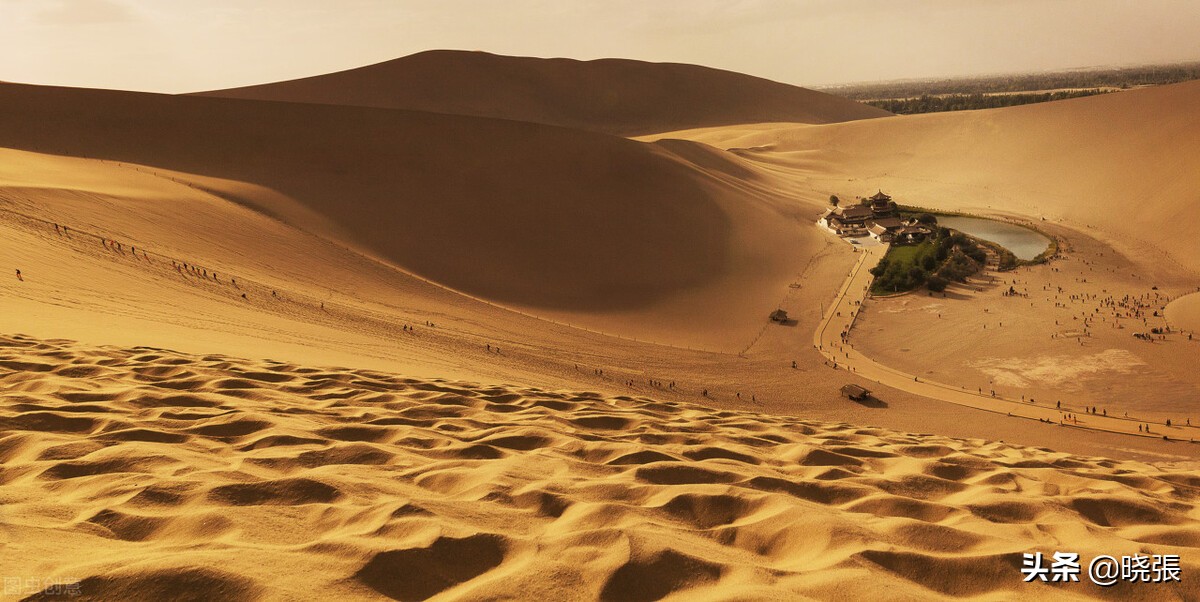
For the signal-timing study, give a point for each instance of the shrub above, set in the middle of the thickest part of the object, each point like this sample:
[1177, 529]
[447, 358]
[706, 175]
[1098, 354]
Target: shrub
[1008, 261]
[958, 267]
[943, 258]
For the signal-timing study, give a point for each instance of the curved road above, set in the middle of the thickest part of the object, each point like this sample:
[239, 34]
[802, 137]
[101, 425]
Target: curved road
[840, 318]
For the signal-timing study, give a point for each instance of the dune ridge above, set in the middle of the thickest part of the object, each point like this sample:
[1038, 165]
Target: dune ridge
[615, 96]
[140, 471]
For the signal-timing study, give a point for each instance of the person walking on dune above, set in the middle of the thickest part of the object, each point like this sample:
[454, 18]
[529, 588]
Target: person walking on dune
[20, 277]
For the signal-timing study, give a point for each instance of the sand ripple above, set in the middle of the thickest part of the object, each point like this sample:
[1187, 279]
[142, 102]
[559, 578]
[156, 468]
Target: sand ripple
[149, 474]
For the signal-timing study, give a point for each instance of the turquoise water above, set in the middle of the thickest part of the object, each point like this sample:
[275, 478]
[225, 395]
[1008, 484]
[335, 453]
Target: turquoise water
[1023, 242]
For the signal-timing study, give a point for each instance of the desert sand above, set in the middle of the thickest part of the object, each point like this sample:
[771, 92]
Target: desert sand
[1066, 337]
[1183, 313]
[559, 376]
[146, 472]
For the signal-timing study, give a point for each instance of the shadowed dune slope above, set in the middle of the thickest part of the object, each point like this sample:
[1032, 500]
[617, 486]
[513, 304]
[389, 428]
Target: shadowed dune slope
[1124, 164]
[616, 96]
[514, 212]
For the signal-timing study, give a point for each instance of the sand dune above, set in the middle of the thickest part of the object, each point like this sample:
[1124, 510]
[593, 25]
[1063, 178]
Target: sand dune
[1184, 313]
[338, 304]
[143, 472]
[615, 96]
[338, 235]
[311, 301]
[608, 233]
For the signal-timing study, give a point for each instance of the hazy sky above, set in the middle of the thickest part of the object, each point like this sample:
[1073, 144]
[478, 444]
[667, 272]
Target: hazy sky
[188, 45]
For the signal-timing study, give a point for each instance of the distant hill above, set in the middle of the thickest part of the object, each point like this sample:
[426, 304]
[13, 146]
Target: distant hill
[614, 96]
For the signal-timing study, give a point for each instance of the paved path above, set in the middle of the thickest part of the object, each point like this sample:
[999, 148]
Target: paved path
[839, 319]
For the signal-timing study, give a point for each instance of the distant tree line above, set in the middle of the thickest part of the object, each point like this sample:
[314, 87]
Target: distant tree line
[967, 102]
[1119, 78]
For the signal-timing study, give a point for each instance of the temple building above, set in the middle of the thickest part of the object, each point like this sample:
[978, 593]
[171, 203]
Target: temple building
[876, 216]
